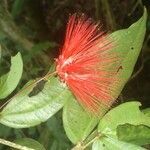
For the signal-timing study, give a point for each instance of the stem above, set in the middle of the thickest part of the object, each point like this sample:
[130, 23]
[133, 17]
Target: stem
[97, 8]
[89, 143]
[91, 137]
[14, 145]
[83, 145]
[110, 19]
[78, 147]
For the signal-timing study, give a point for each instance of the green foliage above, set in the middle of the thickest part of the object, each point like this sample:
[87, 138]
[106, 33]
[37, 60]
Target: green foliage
[128, 46]
[123, 127]
[5, 131]
[38, 49]
[126, 113]
[139, 135]
[114, 144]
[30, 143]
[25, 111]
[122, 124]
[77, 122]
[42, 46]
[59, 139]
[9, 81]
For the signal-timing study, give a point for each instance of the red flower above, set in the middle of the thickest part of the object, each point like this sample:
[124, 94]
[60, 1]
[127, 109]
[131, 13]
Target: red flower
[86, 63]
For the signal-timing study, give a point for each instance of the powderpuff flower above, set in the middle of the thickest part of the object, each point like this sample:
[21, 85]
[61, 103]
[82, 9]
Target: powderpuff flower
[86, 63]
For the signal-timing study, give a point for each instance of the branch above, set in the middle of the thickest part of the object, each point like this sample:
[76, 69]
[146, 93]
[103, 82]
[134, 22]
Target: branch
[90, 139]
[14, 145]
[110, 19]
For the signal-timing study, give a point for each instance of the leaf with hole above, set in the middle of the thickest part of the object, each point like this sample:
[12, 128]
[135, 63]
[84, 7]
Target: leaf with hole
[26, 111]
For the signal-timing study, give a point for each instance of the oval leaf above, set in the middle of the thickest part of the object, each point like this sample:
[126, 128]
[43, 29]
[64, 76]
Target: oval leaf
[128, 46]
[77, 122]
[9, 81]
[25, 111]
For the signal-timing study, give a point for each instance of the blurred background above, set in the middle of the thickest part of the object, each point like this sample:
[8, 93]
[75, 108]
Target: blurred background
[36, 29]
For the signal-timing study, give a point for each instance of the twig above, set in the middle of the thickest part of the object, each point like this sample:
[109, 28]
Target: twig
[78, 147]
[138, 2]
[14, 145]
[138, 72]
[97, 8]
[109, 14]
[83, 145]
[94, 139]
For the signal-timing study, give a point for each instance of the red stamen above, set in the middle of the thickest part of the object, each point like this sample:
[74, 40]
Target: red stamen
[86, 63]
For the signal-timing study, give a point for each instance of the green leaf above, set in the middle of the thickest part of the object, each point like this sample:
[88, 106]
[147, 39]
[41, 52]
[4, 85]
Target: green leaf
[30, 143]
[5, 131]
[128, 45]
[54, 126]
[125, 113]
[139, 135]
[25, 111]
[107, 143]
[98, 145]
[9, 81]
[77, 122]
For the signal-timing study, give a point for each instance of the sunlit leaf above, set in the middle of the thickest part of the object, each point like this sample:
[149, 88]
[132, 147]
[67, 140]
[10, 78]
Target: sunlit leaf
[77, 122]
[9, 81]
[128, 46]
[107, 143]
[125, 113]
[25, 111]
[139, 135]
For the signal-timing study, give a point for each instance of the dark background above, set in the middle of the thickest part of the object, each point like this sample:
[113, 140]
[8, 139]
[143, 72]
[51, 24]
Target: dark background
[36, 29]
